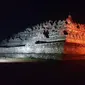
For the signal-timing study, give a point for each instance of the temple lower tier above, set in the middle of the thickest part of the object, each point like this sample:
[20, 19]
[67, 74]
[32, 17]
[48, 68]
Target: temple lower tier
[74, 51]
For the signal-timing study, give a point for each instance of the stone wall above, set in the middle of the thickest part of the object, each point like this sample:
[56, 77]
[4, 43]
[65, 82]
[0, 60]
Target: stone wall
[40, 48]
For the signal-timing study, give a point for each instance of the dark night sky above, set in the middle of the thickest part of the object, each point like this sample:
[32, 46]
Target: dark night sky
[16, 15]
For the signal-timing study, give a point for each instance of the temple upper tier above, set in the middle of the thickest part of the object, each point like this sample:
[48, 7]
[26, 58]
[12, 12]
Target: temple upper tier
[76, 31]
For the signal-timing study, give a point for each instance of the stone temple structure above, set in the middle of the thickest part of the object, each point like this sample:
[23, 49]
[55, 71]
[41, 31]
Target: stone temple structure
[44, 38]
[75, 40]
[47, 38]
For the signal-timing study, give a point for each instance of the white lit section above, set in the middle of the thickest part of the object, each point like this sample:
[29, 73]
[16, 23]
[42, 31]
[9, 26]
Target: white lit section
[4, 60]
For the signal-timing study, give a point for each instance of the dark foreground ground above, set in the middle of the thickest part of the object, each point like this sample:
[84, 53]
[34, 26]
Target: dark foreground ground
[42, 71]
[47, 72]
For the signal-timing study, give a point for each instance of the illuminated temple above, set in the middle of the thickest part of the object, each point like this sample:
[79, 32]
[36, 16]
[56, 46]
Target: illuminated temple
[75, 40]
[62, 37]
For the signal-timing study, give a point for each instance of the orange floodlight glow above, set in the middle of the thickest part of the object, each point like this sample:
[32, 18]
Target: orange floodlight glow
[75, 40]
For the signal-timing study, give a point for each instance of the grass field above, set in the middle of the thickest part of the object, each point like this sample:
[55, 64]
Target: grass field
[30, 58]
[5, 60]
